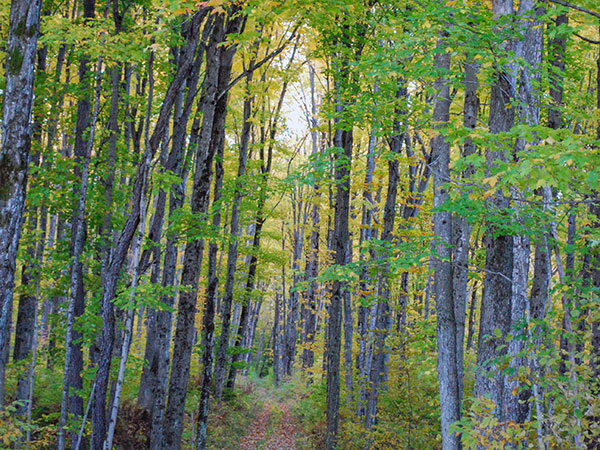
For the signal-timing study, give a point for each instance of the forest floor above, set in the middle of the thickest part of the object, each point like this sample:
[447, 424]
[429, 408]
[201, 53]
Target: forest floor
[275, 427]
[261, 416]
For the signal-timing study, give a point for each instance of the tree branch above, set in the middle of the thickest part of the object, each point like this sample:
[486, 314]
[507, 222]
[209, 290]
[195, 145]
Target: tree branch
[259, 64]
[591, 41]
[578, 8]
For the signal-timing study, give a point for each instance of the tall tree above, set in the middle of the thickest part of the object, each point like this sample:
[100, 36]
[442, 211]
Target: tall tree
[219, 60]
[129, 228]
[496, 298]
[84, 137]
[443, 282]
[15, 146]
[342, 141]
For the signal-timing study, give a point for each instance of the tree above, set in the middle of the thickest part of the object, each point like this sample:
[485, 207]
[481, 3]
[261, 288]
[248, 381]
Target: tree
[15, 146]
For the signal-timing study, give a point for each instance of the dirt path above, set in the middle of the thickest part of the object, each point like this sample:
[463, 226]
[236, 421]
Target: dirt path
[284, 436]
[258, 431]
[273, 429]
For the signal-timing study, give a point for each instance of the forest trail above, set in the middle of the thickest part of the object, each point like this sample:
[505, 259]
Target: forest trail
[274, 428]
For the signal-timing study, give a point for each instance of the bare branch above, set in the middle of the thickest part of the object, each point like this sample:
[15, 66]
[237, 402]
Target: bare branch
[577, 8]
[259, 64]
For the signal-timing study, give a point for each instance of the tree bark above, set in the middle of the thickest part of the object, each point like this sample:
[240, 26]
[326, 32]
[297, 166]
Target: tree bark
[383, 319]
[367, 233]
[300, 216]
[593, 279]
[72, 403]
[242, 162]
[232, 253]
[461, 229]
[528, 112]
[151, 393]
[343, 140]
[218, 64]
[497, 289]
[208, 328]
[28, 299]
[24, 21]
[446, 306]
[128, 231]
[164, 319]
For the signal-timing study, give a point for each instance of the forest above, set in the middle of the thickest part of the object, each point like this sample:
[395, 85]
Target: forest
[292, 224]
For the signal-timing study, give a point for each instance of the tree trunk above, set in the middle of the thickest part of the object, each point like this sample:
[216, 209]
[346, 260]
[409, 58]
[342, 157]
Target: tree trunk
[461, 229]
[28, 299]
[382, 310]
[367, 233]
[497, 289]
[242, 161]
[218, 64]
[276, 347]
[127, 335]
[73, 404]
[15, 145]
[208, 326]
[446, 306]
[530, 50]
[593, 278]
[151, 393]
[164, 319]
[232, 253]
[343, 139]
[299, 214]
[128, 231]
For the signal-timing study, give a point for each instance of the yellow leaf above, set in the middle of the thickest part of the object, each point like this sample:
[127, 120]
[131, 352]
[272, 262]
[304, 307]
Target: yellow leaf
[492, 181]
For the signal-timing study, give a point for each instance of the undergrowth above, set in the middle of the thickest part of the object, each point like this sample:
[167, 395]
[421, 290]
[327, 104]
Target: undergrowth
[228, 421]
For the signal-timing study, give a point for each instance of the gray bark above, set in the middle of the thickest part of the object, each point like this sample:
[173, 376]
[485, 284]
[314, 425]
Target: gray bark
[120, 251]
[592, 277]
[528, 111]
[300, 217]
[28, 299]
[276, 341]
[461, 229]
[382, 318]
[159, 365]
[151, 393]
[218, 64]
[208, 341]
[446, 305]
[242, 161]
[15, 147]
[82, 149]
[497, 289]
[232, 254]
[343, 139]
[128, 332]
[73, 404]
[367, 233]
[312, 257]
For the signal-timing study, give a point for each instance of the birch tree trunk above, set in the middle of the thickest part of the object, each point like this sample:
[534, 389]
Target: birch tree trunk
[15, 146]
